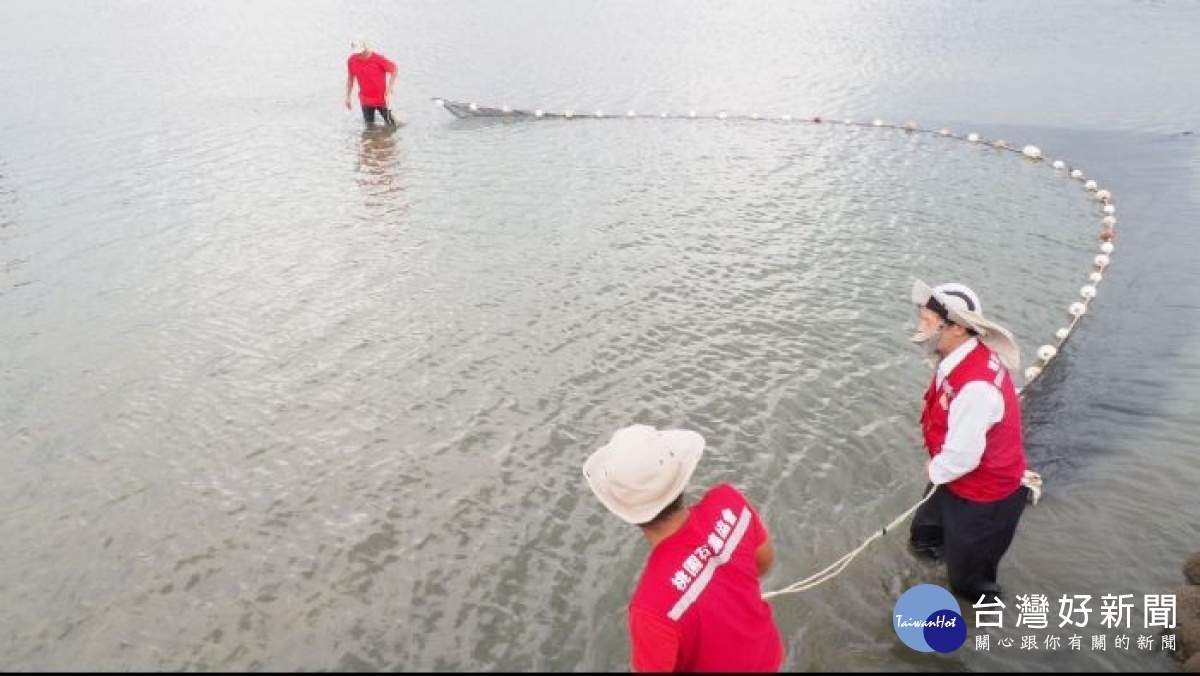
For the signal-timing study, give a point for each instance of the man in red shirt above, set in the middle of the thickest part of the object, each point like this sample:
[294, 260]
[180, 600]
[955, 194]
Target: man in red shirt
[375, 75]
[971, 423]
[698, 605]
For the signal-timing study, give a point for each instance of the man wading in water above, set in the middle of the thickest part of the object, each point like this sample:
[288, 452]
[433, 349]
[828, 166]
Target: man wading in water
[972, 428]
[375, 75]
[698, 605]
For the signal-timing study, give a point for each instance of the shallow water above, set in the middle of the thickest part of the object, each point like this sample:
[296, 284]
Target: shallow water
[278, 393]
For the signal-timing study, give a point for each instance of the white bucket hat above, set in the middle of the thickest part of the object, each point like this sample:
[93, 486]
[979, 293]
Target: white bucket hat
[642, 469]
[960, 305]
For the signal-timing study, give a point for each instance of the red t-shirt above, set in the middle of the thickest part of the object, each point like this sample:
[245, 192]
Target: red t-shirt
[698, 605]
[371, 72]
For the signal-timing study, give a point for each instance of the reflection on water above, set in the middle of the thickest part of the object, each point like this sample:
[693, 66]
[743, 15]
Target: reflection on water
[376, 171]
[377, 151]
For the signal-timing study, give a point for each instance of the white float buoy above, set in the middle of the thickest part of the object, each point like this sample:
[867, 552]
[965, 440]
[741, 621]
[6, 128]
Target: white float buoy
[1000, 143]
[1109, 209]
[1076, 174]
[1032, 152]
[439, 102]
[691, 113]
[1095, 277]
[1077, 309]
[973, 137]
[505, 109]
[753, 116]
[1101, 260]
[721, 115]
[1032, 373]
[1103, 195]
[1059, 164]
[878, 122]
[786, 118]
[1062, 333]
[599, 113]
[1106, 247]
[1108, 221]
[473, 106]
[630, 113]
[1090, 186]
[538, 113]
[1046, 352]
[569, 113]
[1088, 292]
[662, 115]
[943, 132]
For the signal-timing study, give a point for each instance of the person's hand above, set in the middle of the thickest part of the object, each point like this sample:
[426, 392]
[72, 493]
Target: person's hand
[925, 470]
[347, 103]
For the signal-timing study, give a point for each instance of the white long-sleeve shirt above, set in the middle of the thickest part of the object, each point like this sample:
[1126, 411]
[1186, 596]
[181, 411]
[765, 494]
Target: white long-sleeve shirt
[973, 411]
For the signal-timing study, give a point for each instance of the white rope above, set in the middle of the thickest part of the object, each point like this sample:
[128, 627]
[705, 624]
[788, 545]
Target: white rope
[838, 566]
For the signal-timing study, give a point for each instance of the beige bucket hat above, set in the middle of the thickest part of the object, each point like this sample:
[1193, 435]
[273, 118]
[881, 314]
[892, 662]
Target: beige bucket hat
[959, 304]
[642, 469]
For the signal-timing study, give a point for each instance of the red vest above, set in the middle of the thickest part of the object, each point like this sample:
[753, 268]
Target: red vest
[1003, 463]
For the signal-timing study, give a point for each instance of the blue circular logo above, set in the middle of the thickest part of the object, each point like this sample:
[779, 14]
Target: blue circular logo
[927, 618]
